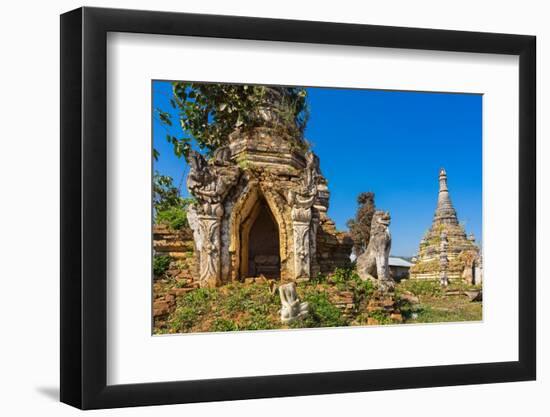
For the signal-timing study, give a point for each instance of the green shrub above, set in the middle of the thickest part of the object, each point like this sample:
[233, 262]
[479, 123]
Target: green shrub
[342, 275]
[381, 317]
[319, 279]
[174, 217]
[223, 325]
[199, 297]
[342, 278]
[184, 318]
[322, 313]
[348, 279]
[366, 287]
[160, 265]
[191, 308]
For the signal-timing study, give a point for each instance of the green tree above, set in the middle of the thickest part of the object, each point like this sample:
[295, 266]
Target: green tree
[208, 113]
[165, 194]
[360, 226]
[170, 207]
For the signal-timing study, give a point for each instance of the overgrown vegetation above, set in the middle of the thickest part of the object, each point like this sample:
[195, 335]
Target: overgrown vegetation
[233, 307]
[256, 306]
[322, 313]
[347, 278]
[170, 207]
[165, 193]
[161, 263]
[208, 113]
[174, 217]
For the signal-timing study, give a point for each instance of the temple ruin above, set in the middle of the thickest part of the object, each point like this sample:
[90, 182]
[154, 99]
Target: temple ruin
[261, 206]
[445, 252]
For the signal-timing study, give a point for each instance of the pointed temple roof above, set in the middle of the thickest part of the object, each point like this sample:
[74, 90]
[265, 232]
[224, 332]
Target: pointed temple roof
[445, 226]
[445, 213]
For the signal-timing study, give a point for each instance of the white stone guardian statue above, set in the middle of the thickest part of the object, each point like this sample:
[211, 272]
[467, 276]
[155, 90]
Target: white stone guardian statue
[373, 264]
[292, 308]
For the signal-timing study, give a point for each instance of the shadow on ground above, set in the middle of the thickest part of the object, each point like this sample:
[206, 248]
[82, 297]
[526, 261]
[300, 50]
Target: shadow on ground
[50, 392]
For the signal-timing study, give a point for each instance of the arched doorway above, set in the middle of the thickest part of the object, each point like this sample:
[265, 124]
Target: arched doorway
[260, 248]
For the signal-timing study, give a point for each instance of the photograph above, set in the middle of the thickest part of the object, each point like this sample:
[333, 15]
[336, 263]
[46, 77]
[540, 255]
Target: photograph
[290, 207]
[275, 209]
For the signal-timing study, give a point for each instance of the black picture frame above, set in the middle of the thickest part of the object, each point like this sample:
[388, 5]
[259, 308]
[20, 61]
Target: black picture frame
[84, 207]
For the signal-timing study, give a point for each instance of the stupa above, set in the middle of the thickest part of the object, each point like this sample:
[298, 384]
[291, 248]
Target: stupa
[261, 205]
[446, 253]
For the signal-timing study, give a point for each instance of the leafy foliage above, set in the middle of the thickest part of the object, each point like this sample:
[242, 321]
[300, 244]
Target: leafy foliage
[174, 217]
[208, 113]
[170, 207]
[322, 313]
[160, 265]
[165, 194]
[360, 226]
[348, 279]
[381, 317]
[224, 325]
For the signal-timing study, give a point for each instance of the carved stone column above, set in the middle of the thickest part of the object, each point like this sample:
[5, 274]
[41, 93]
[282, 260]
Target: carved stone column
[205, 221]
[314, 268]
[301, 221]
[210, 255]
[209, 182]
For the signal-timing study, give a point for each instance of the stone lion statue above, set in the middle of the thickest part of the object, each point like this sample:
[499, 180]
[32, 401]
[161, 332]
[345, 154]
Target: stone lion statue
[373, 263]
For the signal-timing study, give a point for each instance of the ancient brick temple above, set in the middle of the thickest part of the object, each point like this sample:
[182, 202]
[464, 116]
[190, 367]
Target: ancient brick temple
[262, 207]
[445, 252]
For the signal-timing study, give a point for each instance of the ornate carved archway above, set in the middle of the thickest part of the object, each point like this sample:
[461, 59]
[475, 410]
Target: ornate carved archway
[244, 215]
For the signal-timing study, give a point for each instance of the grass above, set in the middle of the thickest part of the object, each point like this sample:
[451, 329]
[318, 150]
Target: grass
[232, 307]
[255, 306]
[193, 306]
[435, 306]
[440, 310]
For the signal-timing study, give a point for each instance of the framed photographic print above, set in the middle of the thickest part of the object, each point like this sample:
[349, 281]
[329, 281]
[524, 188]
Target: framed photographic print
[257, 208]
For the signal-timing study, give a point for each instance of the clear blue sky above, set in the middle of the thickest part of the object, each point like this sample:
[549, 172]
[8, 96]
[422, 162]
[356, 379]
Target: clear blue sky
[389, 142]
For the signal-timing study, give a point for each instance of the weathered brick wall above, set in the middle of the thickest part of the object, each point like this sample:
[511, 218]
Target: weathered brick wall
[179, 278]
[333, 247]
[333, 250]
[178, 244]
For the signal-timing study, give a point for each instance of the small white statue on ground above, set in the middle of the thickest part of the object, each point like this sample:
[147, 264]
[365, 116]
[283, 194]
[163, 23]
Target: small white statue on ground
[292, 308]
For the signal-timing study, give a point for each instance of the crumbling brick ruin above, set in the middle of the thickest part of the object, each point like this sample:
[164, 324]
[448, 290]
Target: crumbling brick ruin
[261, 207]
